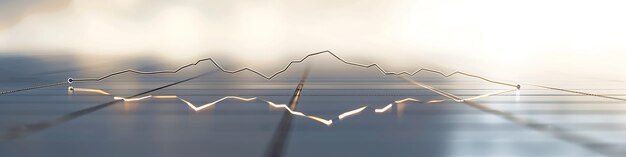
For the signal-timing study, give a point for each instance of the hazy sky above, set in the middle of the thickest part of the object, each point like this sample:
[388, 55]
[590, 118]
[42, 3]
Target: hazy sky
[486, 36]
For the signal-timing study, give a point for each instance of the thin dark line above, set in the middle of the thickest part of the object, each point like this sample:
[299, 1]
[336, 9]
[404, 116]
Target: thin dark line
[276, 147]
[35, 87]
[581, 93]
[47, 85]
[25, 129]
[385, 72]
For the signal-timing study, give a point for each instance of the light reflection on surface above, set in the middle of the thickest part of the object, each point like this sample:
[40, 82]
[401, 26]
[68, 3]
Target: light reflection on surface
[346, 114]
[343, 115]
[458, 131]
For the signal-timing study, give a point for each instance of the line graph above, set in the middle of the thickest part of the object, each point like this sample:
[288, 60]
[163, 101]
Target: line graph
[376, 65]
[382, 70]
[269, 77]
[196, 108]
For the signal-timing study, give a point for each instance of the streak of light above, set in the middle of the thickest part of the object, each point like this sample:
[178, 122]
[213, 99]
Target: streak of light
[88, 90]
[435, 101]
[346, 114]
[407, 99]
[327, 122]
[284, 106]
[269, 103]
[195, 108]
[132, 99]
[490, 94]
[165, 97]
[189, 104]
[384, 108]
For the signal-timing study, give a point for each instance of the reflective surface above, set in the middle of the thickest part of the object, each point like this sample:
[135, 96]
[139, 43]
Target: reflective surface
[53, 121]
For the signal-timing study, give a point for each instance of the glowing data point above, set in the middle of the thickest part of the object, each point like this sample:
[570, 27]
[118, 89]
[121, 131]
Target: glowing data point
[70, 90]
[70, 80]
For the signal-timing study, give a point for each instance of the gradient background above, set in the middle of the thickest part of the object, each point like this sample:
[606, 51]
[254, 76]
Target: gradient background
[570, 44]
[510, 40]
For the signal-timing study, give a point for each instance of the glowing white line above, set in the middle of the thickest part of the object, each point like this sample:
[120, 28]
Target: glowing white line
[383, 109]
[406, 99]
[89, 90]
[165, 97]
[487, 95]
[343, 115]
[132, 99]
[195, 108]
[435, 101]
[327, 122]
[284, 106]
